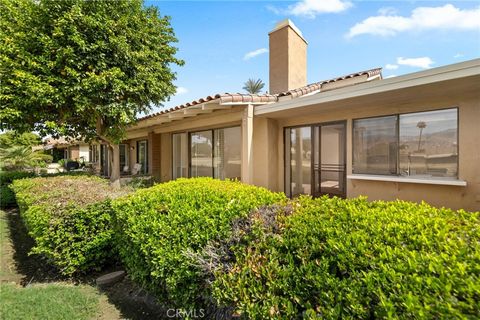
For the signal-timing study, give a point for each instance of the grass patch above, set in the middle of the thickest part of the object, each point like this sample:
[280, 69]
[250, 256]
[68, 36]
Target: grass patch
[52, 301]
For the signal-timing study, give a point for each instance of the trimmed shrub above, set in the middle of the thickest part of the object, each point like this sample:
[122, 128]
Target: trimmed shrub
[335, 259]
[160, 228]
[69, 217]
[7, 197]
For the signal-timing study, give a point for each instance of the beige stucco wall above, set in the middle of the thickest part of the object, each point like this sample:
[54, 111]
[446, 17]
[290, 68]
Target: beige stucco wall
[459, 94]
[265, 153]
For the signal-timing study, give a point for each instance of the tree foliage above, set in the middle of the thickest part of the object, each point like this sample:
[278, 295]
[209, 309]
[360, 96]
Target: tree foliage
[82, 68]
[253, 86]
[12, 138]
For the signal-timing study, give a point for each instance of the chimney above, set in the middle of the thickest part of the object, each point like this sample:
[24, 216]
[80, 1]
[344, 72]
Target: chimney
[288, 57]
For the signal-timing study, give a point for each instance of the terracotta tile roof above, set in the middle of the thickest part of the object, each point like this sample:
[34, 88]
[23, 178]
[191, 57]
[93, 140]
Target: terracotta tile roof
[224, 98]
[264, 98]
[318, 85]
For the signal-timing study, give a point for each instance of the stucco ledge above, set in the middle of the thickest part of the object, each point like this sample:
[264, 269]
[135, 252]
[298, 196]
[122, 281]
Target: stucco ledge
[446, 182]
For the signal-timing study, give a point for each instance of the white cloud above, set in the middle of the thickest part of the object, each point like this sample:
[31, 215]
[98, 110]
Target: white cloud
[181, 90]
[391, 76]
[422, 18]
[385, 11]
[390, 66]
[458, 55]
[423, 62]
[252, 54]
[311, 8]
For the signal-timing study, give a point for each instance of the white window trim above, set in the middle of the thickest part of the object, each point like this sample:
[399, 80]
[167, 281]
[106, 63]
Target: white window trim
[440, 181]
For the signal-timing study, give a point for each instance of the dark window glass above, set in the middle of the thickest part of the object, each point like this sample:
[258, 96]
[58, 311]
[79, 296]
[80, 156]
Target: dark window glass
[123, 156]
[142, 155]
[375, 145]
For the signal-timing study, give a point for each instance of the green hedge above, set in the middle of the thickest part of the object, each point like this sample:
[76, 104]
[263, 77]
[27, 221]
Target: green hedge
[69, 217]
[7, 197]
[160, 228]
[354, 259]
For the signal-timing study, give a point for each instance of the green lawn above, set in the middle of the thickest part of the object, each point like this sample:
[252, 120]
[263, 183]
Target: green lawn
[48, 301]
[41, 301]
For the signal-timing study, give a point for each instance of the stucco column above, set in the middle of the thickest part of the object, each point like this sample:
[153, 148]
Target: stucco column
[247, 148]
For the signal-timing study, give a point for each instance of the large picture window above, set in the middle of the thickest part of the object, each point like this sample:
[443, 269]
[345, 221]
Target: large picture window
[421, 144]
[212, 153]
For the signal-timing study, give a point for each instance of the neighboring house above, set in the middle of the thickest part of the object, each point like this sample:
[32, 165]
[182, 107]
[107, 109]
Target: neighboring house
[413, 137]
[62, 148]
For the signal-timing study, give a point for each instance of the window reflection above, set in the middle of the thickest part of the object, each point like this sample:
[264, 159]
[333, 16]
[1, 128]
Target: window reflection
[428, 144]
[300, 160]
[201, 154]
[375, 145]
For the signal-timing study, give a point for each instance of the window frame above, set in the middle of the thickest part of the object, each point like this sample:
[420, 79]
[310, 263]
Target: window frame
[286, 166]
[189, 142]
[397, 115]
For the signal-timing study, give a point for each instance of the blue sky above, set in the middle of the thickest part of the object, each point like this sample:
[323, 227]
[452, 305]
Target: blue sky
[343, 37]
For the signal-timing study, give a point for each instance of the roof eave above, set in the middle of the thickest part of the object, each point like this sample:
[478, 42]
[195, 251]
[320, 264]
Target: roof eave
[449, 72]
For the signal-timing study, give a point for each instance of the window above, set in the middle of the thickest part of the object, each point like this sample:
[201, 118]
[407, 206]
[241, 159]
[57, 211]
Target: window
[227, 153]
[142, 155]
[201, 151]
[213, 153]
[298, 151]
[180, 155]
[315, 159]
[421, 144]
[123, 156]
[375, 145]
[93, 156]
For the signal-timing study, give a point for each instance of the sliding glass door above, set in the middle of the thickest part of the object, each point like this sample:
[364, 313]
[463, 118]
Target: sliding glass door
[209, 153]
[315, 160]
[180, 155]
[201, 151]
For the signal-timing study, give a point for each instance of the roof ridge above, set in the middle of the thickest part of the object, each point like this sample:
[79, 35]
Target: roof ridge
[264, 97]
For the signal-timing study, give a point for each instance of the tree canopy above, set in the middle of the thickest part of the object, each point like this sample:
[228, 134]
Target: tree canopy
[11, 139]
[82, 68]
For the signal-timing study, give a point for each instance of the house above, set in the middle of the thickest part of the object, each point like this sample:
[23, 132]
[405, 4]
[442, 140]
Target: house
[62, 148]
[414, 137]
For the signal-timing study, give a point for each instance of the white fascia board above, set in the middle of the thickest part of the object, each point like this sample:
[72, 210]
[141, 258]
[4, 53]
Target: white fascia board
[449, 72]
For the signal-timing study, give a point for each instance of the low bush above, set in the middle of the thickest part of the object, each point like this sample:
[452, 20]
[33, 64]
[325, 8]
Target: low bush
[69, 217]
[159, 229]
[7, 197]
[335, 259]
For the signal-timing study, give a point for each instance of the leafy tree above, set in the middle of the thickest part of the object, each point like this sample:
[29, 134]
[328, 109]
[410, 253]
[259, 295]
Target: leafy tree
[253, 86]
[83, 69]
[11, 138]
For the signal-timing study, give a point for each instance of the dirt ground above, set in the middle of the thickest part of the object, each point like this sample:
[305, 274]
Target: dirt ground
[122, 300]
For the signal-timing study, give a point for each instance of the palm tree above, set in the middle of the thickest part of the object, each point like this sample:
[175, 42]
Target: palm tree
[421, 125]
[22, 157]
[253, 86]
